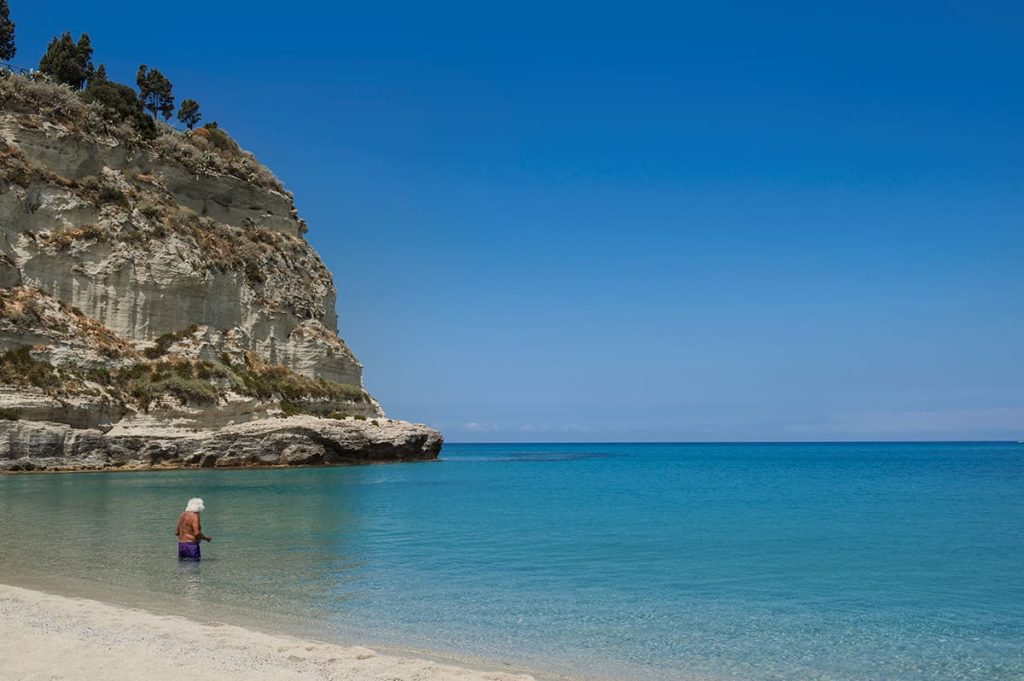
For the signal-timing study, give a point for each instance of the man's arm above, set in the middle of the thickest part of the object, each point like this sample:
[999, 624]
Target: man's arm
[199, 531]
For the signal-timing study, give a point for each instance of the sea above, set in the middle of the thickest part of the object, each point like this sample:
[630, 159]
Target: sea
[661, 562]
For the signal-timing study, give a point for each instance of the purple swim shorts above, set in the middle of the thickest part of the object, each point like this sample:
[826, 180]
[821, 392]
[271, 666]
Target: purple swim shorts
[188, 551]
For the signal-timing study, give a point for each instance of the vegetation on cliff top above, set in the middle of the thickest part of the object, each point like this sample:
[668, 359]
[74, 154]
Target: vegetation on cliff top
[155, 92]
[188, 113]
[108, 110]
[69, 90]
[68, 62]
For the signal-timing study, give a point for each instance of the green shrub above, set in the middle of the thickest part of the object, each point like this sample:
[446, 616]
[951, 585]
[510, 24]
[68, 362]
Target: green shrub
[165, 341]
[292, 409]
[220, 139]
[191, 390]
[253, 274]
[150, 210]
[133, 372]
[134, 236]
[209, 371]
[120, 105]
[101, 376]
[111, 194]
[188, 390]
[18, 367]
[267, 382]
[9, 414]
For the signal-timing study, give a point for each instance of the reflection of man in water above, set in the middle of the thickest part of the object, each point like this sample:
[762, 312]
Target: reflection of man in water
[190, 530]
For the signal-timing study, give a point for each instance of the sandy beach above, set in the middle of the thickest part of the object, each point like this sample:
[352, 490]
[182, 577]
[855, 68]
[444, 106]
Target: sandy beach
[45, 636]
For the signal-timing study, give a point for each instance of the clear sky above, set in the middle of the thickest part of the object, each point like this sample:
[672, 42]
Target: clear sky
[632, 221]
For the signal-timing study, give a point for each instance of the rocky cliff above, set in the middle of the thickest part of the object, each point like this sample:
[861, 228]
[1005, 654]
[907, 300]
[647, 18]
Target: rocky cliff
[159, 305]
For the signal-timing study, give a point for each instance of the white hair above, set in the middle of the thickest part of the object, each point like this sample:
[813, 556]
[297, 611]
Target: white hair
[195, 505]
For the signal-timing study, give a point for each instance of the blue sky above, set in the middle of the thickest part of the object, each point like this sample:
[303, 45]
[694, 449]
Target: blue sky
[603, 222]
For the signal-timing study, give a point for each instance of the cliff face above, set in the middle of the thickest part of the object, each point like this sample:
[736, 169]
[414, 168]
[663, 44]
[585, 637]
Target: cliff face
[160, 305]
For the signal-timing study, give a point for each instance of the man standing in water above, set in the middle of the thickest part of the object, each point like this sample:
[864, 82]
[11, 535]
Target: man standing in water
[190, 531]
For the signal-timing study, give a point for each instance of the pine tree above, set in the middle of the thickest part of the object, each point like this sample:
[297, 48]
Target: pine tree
[101, 73]
[67, 62]
[166, 104]
[189, 114]
[59, 60]
[7, 48]
[155, 92]
[142, 82]
[83, 51]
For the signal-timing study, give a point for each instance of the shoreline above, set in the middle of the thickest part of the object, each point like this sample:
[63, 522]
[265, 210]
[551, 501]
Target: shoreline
[127, 643]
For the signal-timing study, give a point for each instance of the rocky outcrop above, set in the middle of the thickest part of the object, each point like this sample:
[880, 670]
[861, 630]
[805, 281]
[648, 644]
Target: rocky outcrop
[294, 441]
[159, 305]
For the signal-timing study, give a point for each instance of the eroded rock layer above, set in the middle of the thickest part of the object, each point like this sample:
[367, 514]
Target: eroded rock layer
[292, 441]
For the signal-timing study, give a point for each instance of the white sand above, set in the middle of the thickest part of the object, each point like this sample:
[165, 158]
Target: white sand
[48, 637]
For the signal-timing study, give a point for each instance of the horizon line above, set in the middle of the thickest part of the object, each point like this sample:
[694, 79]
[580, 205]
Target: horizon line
[727, 442]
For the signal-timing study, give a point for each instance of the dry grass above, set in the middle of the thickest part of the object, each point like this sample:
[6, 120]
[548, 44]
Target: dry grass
[62, 238]
[191, 381]
[54, 102]
[201, 151]
[196, 152]
[228, 248]
[24, 309]
[147, 214]
[16, 169]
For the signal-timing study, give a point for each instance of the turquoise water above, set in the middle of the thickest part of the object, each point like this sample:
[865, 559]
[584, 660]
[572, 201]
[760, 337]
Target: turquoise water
[810, 561]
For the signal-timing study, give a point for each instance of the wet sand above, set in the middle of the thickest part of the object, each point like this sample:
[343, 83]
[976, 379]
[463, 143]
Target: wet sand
[45, 636]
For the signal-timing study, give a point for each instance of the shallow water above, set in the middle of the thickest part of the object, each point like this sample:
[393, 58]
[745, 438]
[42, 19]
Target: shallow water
[838, 561]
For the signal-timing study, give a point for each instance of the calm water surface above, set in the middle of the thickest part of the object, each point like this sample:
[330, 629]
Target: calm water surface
[838, 561]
